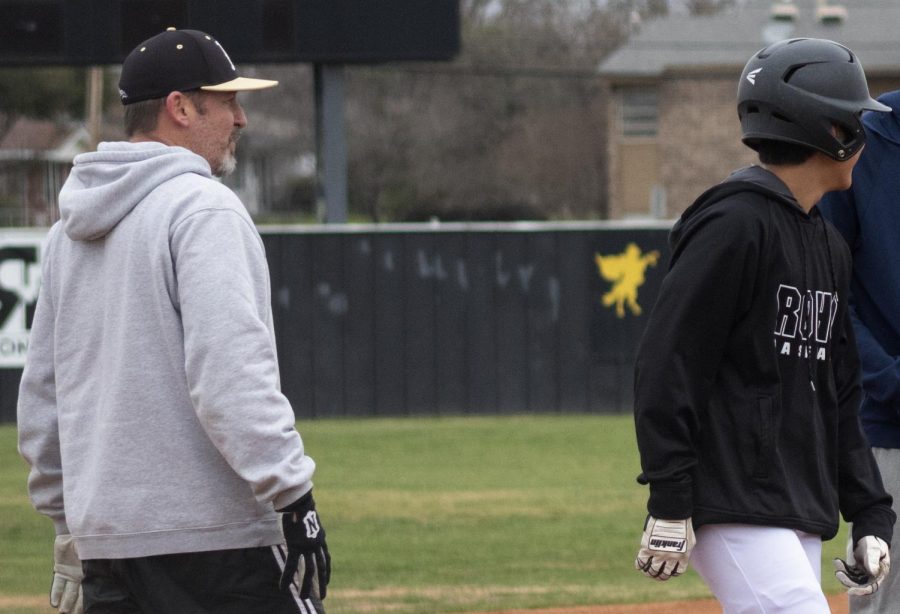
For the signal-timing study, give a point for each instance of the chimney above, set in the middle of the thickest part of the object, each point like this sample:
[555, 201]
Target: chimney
[830, 15]
[784, 11]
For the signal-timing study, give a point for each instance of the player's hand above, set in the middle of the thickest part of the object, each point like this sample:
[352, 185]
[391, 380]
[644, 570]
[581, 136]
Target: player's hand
[65, 592]
[308, 555]
[866, 567]
[665, 548]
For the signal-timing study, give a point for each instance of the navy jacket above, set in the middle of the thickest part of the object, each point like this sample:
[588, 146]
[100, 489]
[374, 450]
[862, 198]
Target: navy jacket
[868, 216]
[746, 380]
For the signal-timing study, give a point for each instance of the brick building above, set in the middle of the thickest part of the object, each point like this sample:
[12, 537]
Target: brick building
[673, 127]
[35, 158]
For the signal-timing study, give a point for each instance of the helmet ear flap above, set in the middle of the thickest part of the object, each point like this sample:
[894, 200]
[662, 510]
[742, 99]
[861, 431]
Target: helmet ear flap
[846, 134]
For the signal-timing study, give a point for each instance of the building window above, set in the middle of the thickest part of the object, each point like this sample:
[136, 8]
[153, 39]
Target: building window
[638, 111]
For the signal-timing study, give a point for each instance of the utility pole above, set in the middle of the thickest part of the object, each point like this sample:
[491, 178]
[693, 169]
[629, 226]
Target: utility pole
[94, 104]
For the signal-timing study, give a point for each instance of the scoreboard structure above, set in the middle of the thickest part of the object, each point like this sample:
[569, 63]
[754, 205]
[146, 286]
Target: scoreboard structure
[98, 32]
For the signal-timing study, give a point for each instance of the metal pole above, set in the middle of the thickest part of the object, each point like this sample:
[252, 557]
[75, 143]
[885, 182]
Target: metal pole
[331, 148]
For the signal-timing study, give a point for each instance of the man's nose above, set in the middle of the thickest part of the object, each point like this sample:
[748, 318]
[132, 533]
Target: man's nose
[240, 118]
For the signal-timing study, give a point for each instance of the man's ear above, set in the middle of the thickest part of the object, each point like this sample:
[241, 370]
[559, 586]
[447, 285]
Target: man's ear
[178, 109]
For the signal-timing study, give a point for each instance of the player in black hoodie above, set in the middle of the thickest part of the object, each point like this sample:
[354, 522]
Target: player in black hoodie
[746, 381]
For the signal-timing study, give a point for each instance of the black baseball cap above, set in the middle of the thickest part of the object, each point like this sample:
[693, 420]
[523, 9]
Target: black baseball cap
[180, 61]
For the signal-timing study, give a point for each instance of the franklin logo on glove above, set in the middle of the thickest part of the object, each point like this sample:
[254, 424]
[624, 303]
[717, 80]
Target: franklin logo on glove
[667, 544]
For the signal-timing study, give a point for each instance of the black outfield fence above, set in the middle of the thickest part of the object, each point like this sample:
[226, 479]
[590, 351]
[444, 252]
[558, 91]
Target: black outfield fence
[452, 318]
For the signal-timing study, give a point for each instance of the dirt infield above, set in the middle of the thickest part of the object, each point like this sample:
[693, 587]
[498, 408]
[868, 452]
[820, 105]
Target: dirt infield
[26, 603]
[837, 603]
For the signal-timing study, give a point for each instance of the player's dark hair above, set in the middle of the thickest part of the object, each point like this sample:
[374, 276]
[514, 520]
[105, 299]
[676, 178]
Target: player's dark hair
[780, 153]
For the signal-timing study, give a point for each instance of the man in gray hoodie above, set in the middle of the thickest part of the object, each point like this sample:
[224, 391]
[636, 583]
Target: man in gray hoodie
[149, 410]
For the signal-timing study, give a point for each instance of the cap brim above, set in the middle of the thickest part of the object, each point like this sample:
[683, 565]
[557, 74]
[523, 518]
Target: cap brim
[240, 84]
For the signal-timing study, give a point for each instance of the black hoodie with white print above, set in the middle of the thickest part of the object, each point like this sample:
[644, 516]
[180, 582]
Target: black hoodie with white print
[746, 379]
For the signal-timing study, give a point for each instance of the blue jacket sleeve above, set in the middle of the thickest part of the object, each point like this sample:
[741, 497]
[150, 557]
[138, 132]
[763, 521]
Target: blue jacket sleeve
[880, 370]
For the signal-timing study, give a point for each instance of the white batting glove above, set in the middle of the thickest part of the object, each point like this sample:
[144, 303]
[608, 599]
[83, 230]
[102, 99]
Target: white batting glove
[65, 592]
[870, 564]
[665, 548]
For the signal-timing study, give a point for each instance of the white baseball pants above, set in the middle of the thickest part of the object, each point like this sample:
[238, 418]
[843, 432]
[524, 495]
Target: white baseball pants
[761, 570]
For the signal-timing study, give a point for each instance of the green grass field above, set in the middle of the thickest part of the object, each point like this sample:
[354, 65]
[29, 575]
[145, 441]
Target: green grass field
[429, 515]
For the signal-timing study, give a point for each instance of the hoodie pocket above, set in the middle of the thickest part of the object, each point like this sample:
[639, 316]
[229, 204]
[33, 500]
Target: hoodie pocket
[765, 445]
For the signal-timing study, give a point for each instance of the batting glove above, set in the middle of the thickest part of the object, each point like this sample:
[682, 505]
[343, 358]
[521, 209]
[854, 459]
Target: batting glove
[870, 564]
[305, 538]
[65, 592]
[665, 548]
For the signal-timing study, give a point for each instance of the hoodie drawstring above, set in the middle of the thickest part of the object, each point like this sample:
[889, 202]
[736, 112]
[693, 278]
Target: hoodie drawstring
[811, 360]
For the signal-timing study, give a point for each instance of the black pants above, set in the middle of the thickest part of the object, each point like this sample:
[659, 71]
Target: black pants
[241, 581]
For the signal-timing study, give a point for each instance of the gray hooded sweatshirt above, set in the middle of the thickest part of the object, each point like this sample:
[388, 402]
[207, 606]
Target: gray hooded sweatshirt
[149, 409]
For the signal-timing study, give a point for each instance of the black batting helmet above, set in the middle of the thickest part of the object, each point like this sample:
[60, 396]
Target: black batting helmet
[797, 90]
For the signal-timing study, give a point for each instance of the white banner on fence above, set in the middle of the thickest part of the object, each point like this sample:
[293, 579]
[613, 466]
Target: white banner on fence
[20, 278]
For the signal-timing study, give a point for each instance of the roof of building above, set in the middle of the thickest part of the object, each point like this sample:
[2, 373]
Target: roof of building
[727, 39]
[29, 139]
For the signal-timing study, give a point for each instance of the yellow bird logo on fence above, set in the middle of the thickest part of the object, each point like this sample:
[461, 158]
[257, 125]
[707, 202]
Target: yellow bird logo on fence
[626, 272]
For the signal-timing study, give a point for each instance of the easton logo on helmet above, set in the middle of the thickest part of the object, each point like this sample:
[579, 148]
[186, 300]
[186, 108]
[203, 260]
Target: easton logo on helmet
[751, 76]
